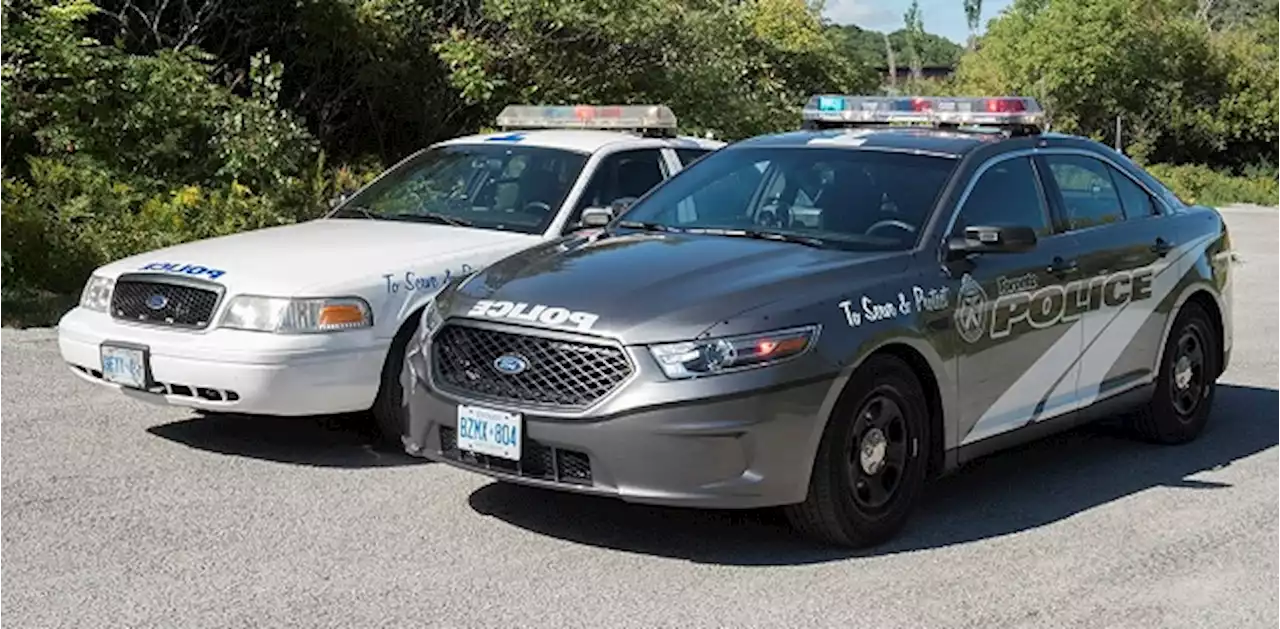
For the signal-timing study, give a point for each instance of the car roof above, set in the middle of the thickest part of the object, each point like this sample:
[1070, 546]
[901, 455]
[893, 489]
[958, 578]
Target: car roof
[951, 143]
[580, 140]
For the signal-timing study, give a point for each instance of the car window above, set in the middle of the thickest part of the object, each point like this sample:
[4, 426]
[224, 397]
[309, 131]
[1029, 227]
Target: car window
[491, 186]
[1136, 202]
[1006, 195]
[850, 199]
[688, 156]
[622, 175]
[1089, 197]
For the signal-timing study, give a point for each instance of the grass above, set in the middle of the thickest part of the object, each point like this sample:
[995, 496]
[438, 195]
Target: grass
[26, 308]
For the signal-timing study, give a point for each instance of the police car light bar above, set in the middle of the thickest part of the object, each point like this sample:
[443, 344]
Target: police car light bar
[626, 117]
[1002, 111]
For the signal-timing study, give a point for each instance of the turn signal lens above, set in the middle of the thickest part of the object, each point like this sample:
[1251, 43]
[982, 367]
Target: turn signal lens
[341, 315]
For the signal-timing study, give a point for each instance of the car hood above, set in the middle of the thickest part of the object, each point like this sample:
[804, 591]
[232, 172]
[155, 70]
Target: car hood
[302, 258]
[655, 287]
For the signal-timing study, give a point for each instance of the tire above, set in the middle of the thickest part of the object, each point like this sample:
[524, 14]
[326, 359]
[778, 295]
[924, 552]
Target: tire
[389, 412]
[851, 501]
[1185, 383]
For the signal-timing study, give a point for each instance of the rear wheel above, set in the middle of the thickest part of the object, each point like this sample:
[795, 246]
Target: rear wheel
[1186, 382]
[389, 411]
[870, 465]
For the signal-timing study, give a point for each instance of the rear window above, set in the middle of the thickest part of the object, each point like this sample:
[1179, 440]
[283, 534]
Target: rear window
[855, 199]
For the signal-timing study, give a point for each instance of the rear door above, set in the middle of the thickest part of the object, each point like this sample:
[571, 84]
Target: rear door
[1015, 350]
[1124, 242]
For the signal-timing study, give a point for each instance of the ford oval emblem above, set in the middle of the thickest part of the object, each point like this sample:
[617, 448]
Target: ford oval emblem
[157, 301]
[511, 364]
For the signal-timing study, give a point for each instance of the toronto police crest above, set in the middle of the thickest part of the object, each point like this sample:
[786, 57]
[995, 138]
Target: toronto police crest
[970, 314]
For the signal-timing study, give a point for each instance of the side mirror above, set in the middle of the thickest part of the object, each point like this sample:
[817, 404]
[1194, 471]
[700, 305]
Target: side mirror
[984, 239]
[596, 216]
[339, 200]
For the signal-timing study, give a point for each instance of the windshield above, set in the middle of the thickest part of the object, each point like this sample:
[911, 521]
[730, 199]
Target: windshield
[511, 188]
[836, 197]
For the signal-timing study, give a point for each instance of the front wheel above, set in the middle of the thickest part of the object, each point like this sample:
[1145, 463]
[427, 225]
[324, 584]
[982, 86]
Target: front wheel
[1185, 384]
[870, 465]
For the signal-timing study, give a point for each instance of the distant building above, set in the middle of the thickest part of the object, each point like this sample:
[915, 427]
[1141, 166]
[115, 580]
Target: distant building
[928, 72]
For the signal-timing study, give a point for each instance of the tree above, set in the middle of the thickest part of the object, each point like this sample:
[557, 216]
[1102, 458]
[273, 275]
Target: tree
[973, 17]
[915, 35]
[1183, 93]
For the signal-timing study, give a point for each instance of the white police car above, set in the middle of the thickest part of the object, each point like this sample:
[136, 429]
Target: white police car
[313, 317]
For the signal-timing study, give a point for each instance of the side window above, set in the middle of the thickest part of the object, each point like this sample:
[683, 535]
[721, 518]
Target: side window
[1088, 195]
[622, 175]
[1137, 203]
[1006, 195]
[689, 156]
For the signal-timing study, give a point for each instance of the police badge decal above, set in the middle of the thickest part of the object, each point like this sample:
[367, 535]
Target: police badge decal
[970, 314]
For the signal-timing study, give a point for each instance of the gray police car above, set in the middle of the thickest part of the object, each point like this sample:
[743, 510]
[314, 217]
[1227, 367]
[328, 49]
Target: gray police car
[824, 319]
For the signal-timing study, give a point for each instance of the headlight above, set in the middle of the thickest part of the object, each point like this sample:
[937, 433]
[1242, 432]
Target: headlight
[296, 316]
[97, 293]
[692, 359]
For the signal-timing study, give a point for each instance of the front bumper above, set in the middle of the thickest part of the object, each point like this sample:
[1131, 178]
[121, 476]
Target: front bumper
[735, 451]
[235, 370]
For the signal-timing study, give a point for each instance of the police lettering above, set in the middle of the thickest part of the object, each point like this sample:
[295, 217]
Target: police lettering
[1058, 303]
[537, 313]
[187, 269]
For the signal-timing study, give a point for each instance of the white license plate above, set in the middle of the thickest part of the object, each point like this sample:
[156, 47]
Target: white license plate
[486, 431]
[125, 366]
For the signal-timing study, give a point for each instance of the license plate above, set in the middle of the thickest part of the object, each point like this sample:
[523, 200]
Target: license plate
[125, 366]
[491, 432]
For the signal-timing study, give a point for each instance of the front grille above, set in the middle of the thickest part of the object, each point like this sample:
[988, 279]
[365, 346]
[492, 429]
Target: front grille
[559, 374]
[536, 460]
[158, 302]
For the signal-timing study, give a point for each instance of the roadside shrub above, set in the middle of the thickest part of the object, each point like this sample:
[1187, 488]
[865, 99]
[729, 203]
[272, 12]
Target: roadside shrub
[73, 216]
[1196, 183]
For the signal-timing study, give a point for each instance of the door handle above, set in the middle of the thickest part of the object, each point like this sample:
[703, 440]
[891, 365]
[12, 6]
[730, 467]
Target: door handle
[1161, 247]
[1062, 267]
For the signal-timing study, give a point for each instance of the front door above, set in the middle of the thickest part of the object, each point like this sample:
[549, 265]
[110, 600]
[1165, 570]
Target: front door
[1017, 332]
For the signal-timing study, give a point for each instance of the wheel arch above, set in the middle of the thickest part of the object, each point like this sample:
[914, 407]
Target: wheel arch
[1200, 295]
[920, 357]
[405, 330]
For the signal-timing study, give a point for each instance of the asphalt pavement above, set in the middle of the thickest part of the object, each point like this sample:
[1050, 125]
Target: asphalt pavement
[117, 513]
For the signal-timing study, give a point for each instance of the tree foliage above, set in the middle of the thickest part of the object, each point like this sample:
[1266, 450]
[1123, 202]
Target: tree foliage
[867, 46]
[1182, 92]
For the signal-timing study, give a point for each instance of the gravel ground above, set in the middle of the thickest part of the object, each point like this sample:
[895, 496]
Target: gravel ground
[117, 513]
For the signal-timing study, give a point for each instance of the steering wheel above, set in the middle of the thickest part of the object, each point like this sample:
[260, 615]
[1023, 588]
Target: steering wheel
[536, 205]
[891, 222]
[768, 218]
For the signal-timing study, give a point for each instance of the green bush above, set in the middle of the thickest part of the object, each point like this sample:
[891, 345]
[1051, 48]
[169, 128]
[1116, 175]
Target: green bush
[1195, 183]
[73, 216]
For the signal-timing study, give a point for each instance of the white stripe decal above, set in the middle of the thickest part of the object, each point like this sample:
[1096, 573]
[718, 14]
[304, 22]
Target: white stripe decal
[1105, 341]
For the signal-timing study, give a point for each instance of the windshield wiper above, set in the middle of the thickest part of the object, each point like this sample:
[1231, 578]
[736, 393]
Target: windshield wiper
[646, 226]
[433, 217]
[358, 211]
[807, 241]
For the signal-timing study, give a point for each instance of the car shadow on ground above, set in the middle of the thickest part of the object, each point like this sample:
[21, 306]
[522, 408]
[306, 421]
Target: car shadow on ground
[1016, 490]
[346, 440]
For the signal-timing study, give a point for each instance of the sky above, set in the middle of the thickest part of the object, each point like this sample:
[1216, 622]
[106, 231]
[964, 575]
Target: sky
[940, 17]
